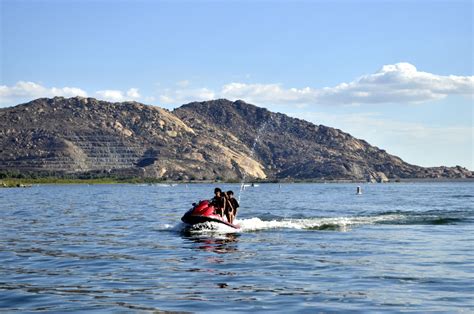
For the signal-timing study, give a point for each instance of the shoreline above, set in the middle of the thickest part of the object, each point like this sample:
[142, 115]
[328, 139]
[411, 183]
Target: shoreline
[28, 182]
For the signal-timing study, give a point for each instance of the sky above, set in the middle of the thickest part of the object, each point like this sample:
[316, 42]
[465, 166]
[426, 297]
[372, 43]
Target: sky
[398, 74]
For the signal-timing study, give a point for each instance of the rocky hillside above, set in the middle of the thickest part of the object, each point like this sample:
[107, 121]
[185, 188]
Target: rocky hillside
[294, 148]
[199, 141]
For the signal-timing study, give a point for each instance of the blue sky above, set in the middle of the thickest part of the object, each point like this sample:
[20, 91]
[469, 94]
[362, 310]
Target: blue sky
[398, 74]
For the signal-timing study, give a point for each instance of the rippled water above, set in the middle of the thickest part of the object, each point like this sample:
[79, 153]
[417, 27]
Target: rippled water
[302, 248]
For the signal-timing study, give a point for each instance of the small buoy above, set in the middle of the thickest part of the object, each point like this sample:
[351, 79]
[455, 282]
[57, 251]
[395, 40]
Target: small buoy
[359, 190]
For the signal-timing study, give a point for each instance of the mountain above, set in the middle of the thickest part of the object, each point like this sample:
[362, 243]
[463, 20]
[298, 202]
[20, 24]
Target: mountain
[297, 149]
[209, 140]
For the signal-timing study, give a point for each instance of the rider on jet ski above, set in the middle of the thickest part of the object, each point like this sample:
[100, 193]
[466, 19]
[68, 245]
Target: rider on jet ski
[219, 202]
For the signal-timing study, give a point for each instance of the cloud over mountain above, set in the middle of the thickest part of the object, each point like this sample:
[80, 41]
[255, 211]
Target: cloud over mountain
[118, 95]
[22, 90]
[396, 83]
[393, 83]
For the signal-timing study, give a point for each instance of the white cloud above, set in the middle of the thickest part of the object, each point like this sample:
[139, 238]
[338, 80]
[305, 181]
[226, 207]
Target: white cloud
[396, 83]
[267, 93]
[181, 96]
[440, 145]
[133, 93]
[109, 94]
[118, 95]
[25, 91]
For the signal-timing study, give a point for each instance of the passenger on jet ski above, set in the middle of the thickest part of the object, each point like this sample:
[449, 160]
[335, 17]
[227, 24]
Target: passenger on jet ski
[219, 202]
[231, 207]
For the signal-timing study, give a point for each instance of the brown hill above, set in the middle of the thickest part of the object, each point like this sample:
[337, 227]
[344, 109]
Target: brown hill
[216, 139]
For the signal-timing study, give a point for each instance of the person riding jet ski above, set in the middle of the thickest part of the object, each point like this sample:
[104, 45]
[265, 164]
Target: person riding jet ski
[219, 202]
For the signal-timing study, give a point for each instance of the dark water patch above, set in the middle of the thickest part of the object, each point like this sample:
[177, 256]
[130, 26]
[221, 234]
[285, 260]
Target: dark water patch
[424, 220]
[28, 252]
[269, 216]
[462, 196]
[428, 217]
[428, 212]
[297, 216]
[445, 221]
[407, 279]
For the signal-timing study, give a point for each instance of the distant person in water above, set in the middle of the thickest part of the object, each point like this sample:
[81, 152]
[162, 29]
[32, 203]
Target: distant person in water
[219, 202]
[231, 207]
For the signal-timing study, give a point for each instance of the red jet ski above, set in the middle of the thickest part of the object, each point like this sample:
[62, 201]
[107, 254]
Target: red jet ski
[204, 212]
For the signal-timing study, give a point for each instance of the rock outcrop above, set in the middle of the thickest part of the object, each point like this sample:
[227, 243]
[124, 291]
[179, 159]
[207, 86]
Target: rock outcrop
[296, 149]
[209, 140]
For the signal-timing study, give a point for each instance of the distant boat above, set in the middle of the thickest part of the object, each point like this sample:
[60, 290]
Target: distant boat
[166, 185]
[247, 185]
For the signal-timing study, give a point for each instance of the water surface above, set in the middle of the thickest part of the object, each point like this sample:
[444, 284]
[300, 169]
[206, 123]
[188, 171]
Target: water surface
[301, 248]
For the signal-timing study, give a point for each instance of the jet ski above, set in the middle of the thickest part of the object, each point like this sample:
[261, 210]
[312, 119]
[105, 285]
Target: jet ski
[204, 212]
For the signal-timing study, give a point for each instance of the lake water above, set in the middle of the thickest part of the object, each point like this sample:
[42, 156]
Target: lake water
[302, 248]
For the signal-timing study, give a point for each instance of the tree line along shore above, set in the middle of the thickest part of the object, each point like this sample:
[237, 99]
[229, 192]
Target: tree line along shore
[9, 182]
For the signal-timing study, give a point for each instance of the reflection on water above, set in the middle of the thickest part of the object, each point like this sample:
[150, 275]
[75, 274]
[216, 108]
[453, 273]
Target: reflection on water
[217, 243]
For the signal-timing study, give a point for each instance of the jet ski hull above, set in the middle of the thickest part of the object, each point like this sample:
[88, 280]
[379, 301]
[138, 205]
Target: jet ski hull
[204, 212]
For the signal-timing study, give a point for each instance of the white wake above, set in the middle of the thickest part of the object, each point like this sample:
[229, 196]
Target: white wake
[257, 224]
